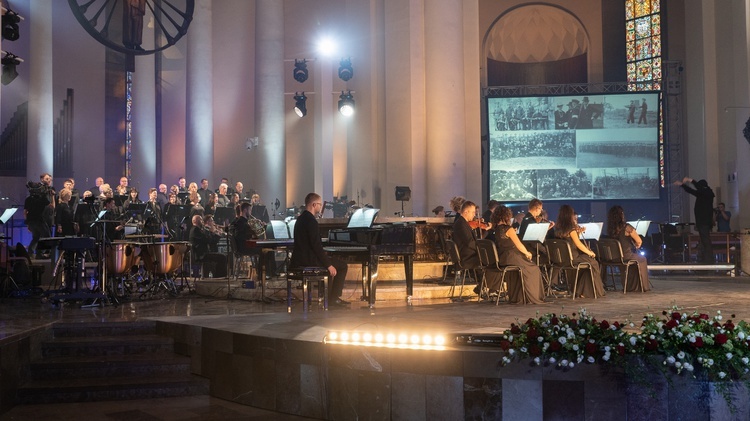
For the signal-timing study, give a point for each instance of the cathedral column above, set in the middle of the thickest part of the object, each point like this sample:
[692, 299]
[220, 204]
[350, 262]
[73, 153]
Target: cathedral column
[199, 141]
[41, 115]
[269, 88]
[444, 98]
[143, 164]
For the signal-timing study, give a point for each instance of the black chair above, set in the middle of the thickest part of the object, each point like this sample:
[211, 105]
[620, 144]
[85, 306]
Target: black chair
[611, 256]
[489, 259]
[460, 270]
[543, 262]
[561, 257]
[239, 258]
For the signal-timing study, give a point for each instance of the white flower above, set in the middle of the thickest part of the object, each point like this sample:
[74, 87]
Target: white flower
[523, 349]
[692, 339]
[632, 340]
[681, 355]
[540, 339]
[571, 365]
[679, 334]
[652, 337]
[552, 360]
[688, 367]
[700, 360]
[511, 351]
[606, 357]
[670, 360]
[709, 362]
[575, 347]
[562, 340]
[729, 355]
[606, 349]
[590, 360]
[741, 335]
[582, 331]
[564, 363]
[745, 360]
[721, 373]
[678, 364]
[536, 360]
[510, 339]
[632, 324]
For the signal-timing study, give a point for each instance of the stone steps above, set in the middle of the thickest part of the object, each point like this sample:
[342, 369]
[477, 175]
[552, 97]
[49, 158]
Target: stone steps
[86, 362]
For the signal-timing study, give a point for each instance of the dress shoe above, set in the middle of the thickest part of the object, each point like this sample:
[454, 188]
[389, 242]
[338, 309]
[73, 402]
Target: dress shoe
[338, 304]
[340, 301]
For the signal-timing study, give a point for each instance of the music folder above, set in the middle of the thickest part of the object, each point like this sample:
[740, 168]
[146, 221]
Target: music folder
[280, 230]
[641, 226]
[593, 230]
[7, 214]
[363, 218]
[536, 232]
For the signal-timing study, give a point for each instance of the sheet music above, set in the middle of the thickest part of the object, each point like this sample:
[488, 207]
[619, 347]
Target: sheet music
[641, 226]
[593, 230]
[536, 232]
[7, 215]
[363, 218]
[280, 230]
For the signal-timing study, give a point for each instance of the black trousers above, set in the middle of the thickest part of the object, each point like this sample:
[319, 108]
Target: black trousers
[707, 257]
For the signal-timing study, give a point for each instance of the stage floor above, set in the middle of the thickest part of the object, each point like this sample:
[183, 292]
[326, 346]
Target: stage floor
[704, 293]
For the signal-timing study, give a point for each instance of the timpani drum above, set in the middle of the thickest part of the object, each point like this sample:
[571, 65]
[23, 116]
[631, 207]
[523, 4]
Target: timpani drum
[121, 256]
[164, 258]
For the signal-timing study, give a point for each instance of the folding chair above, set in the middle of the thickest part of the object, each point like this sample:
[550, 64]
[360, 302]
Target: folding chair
[489, 259]
[459, 269]
[561, 257]
[610, 255]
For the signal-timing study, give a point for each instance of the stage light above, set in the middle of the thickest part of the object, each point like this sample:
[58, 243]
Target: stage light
[300, 72]
[346, 71]
[300, 105]
[346, 103]
[327, 47]
[402, 340]
[9, 63]
[10, 25]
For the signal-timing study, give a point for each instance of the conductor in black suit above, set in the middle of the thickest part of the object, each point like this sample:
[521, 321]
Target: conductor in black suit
[308, 248]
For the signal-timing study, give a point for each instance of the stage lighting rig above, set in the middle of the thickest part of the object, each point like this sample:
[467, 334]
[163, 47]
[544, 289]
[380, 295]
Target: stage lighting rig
[346, 103]
[300, 70]
[9, 63]
[346, 71]
[300, 106]
[10, 24]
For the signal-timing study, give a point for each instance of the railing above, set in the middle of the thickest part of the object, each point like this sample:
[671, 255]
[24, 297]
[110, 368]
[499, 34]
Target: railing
[562, 89]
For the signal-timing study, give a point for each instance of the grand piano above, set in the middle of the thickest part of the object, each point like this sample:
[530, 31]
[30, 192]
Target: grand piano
[365, 243]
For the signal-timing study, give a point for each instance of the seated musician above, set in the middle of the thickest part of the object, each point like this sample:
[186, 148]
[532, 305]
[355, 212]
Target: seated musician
[113, 228]
[240, 230]
[152, 223]
[308, 249]
[620, 230]
[537, 215]
[511, 251]
[465, 239]
[202, 241]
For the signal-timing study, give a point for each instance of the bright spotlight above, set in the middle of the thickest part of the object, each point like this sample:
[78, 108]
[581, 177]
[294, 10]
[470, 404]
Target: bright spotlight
[327, 47]
[300, 105]
[346, 103]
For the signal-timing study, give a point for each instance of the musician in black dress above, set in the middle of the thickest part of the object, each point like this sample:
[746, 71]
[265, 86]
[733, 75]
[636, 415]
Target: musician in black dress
[567, 228]
[620, 230]
[511, 251]
[308, 249]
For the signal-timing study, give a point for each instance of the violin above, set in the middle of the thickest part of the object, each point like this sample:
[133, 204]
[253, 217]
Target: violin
[478, 223]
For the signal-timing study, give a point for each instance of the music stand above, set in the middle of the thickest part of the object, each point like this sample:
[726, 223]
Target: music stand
[177, 214]
[120, 199]
[593, 230]
[641, 226]
[135, 211]
[536, 232]
[223, 216]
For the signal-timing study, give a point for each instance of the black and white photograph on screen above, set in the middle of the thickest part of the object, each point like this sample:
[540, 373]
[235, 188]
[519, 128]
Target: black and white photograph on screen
[533, 150]
[633, 110]
[561, 184]
[507, 186]
[626, 183]
[513, 114]
[578, 113]
[606, 148]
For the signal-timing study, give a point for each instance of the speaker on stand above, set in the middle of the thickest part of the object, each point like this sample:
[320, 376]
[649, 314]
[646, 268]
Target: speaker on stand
[403, 194]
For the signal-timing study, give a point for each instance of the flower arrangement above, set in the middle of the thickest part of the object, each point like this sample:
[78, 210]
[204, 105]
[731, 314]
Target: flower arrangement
[693, 343]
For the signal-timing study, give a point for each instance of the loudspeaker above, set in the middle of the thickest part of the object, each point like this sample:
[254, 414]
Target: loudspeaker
[403, 193]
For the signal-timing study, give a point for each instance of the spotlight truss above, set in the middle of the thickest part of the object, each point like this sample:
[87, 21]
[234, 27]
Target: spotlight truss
[300, 104]
[346, 103]
[300, 70]
[10, 22]
[346, 71]
[9, 63]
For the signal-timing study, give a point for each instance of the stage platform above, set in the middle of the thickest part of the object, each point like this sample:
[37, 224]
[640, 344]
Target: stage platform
[257, 354]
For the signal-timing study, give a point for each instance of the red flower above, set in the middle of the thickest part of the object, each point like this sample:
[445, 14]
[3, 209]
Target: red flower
[729, 325]
[515, 329]
[590, 348]
[703, 316]
[716, 324]
[504, 345]
[534, 350]
[620, 350]
[676, 315]
[573, 322]
[721, 338]
[616, 324]
[532, 333]
[671, 324]
[698, 342]
[555, 346]
[604, 324]
[554, 321]
[651, 345]
[529, 322]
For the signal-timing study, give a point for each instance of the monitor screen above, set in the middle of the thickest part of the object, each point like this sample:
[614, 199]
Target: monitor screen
[585, 147]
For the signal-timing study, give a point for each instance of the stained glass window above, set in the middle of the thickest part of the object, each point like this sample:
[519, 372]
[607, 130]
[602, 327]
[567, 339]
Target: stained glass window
[643, 55]
[643, 44]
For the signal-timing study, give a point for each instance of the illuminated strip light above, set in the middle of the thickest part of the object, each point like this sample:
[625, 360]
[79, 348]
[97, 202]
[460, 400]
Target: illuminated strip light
[387, 340]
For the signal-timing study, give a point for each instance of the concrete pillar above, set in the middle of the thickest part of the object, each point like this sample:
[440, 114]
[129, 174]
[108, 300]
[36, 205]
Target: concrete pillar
[269, 116]
[41, 114]
[199, 137]
[324, 108]
[444, 98]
